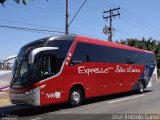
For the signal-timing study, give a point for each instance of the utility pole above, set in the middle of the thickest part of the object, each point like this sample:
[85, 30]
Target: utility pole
[111, 15]
[67, 15]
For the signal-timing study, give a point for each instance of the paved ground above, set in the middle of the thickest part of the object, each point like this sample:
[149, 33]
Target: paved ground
[4, 72]
[5, 78]
[104, 108]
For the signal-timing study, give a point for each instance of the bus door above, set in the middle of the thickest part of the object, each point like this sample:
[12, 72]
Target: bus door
[48, 69]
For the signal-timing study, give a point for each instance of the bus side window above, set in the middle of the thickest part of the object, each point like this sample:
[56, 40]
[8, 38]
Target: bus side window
[84, 52]
[47, 67]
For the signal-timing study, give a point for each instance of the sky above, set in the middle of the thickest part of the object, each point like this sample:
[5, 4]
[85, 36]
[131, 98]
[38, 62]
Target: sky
[139, 18]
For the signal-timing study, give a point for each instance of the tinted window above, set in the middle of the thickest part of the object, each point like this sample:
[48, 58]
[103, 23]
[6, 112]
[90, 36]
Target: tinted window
[113, 55]
[49, 66]
[52, 61]
[146, 58]
[102, 53]
[63, 46]
[83, 53]
[122, 56]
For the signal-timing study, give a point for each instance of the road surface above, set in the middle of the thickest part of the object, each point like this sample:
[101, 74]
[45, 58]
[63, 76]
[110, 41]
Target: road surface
[5, 78]
[101, 108]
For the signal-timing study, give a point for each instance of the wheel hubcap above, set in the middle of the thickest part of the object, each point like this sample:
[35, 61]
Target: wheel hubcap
[141, 88]
[75, 97]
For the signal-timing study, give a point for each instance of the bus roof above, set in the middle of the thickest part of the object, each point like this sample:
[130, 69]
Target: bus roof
[110, 44]
[87, 40]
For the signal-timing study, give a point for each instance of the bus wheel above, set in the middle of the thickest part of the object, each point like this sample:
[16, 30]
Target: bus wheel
[75, 97]
[140, 87]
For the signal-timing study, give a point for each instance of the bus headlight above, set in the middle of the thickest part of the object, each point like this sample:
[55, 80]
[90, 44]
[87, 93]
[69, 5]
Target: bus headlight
[29, 92]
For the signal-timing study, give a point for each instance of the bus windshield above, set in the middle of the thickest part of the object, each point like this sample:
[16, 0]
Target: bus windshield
[46, 63]
[19, 71]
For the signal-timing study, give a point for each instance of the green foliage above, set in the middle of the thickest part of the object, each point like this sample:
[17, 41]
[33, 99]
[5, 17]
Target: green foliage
[17, 1]
[146, 44]
[2, 1]
[23, 1]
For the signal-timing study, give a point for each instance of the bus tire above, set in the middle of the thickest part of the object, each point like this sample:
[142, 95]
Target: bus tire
[76, 97]
[140, 87]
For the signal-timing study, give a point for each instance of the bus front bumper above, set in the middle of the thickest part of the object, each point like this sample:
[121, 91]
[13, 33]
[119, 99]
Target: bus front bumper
[31, 97]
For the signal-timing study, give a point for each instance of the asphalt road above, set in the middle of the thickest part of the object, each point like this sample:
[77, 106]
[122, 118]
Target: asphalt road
[5, 78]
[101, 108]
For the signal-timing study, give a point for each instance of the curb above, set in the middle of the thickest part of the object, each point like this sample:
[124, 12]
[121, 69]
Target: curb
[4, 102]
[4, 89]
[4, 99]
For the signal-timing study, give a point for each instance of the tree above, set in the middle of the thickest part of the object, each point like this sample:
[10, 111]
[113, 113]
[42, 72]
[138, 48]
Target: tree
[17, 1]
[149, 44]
[2, 1]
